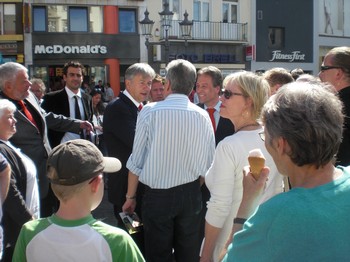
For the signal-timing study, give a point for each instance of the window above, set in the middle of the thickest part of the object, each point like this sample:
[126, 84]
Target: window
[201, 10]
[62, 18]
[127, 21]
[39, 23]
[96, 19]
[78, 19]
[174, 6]
[57, 18]
[230, 11]
[8, 19]
[276, 37]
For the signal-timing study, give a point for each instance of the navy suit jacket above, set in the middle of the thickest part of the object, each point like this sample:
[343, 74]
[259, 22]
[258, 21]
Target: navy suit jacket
[224, 128]
[119, 124]
[57, 102]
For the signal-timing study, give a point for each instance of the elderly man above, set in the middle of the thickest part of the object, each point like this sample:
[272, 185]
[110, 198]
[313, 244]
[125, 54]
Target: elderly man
[173, 148]
[119, 123]
[335, 70]
[32, 125]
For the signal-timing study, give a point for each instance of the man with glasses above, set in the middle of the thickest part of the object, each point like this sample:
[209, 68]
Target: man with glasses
[70, 102]
[335, 70]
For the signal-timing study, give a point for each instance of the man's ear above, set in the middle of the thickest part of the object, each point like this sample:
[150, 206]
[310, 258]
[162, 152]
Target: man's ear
[282, 146]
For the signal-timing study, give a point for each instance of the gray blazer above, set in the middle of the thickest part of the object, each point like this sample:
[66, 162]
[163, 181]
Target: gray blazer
[35, 144]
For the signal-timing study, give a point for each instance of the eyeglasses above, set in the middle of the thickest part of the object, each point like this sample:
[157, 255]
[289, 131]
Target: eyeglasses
[262, 135]
[227, 93]
[324, 68]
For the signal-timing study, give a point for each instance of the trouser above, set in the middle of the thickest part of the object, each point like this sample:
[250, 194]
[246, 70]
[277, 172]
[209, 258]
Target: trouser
[171, 219]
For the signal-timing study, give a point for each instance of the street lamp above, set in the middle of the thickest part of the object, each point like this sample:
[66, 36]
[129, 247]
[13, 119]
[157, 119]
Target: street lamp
[186, 28]
[166, 17]
[146, 27]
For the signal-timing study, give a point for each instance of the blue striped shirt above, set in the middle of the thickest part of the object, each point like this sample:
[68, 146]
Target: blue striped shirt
[174, 143]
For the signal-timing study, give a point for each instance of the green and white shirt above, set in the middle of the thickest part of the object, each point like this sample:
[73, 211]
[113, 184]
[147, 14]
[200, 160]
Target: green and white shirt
[87, 239]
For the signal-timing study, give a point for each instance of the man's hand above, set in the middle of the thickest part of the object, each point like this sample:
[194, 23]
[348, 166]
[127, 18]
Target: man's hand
[86, 125]
[129, 206]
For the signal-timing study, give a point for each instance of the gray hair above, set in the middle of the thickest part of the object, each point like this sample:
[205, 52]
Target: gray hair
[308, 115]
[341, 57]
[40, 83]
[182, 76]
[6, 105]
[252, 86]
[9, 71]
[139, 68]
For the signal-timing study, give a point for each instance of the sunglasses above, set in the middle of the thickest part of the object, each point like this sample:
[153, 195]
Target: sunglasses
[227, 93]
[324, 68]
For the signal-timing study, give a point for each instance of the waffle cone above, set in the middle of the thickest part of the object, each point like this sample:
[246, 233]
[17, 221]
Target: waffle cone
[256, 164]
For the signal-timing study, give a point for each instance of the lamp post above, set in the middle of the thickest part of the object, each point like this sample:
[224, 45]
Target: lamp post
[166, 17]
[186, 28]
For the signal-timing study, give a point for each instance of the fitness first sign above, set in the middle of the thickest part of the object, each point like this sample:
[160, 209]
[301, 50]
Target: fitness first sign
[294, 56]
[69, 49]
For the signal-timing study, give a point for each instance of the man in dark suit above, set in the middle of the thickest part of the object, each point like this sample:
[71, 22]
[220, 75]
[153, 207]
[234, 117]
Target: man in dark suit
[119, 123]
[31, 135]
[70, 102]
[208, 87]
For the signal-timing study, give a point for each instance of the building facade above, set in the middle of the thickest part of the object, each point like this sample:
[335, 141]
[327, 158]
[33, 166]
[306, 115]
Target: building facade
[106, 37]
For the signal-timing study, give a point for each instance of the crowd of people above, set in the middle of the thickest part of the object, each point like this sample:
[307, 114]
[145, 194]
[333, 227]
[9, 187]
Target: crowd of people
[181, 166]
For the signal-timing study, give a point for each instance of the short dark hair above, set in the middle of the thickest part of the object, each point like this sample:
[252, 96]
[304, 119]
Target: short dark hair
[74, 64]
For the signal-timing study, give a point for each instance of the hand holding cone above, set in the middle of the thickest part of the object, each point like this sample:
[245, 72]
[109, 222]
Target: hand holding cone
[256, 161]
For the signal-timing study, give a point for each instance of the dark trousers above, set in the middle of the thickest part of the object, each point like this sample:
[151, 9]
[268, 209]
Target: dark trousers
[171, 219]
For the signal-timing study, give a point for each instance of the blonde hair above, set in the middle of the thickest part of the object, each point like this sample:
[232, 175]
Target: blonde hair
[252, 86]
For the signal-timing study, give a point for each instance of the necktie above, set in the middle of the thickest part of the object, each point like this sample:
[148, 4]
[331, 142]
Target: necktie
[78, 115]
[26, 112]
[77, 109]
[140, 107]
[212, 118]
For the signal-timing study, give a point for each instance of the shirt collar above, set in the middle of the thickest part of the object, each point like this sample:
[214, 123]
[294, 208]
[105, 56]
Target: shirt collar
[126, 93]
[217, 106]
[71, 94]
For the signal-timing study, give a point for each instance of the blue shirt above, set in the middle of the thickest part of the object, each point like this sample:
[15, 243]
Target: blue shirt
[304, 224]
[174, 143]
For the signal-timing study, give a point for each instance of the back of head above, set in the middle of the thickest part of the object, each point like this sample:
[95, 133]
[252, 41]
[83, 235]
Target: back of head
[9, 71]
[214, 73]
[72, 163]
[278, 76]
[296, 72]
[182, 76]
[308, 115]
[341, 57]
[252, 86]
[139, 69]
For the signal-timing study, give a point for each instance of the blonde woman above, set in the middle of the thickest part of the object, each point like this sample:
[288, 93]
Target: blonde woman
[242, 99]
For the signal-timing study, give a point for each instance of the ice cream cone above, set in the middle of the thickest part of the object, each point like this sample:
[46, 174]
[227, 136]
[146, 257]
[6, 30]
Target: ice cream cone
[256, 164]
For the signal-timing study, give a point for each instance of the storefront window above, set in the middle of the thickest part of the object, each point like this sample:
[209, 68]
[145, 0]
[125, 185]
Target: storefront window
[78, 19]
[8, 19]
[127, 21]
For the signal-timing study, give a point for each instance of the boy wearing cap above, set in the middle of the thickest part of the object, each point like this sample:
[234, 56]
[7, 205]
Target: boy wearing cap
[75, 170]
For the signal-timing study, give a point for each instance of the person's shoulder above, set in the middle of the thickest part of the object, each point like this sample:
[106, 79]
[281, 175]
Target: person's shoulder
[109, 232]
